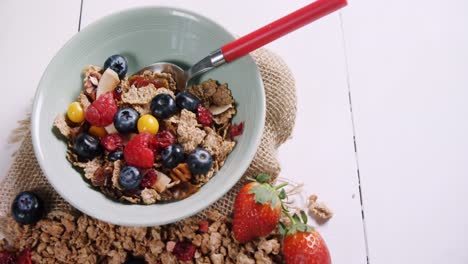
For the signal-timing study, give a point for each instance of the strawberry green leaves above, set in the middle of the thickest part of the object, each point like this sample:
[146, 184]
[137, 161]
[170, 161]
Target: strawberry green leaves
[265, 193]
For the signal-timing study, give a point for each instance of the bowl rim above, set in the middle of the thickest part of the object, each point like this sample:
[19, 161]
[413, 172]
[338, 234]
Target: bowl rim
[35, 124]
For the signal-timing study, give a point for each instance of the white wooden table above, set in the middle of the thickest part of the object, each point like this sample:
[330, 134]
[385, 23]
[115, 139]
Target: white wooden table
[382, 127]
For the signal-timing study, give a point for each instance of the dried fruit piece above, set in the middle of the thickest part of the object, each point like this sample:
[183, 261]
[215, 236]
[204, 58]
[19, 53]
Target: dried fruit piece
[103, 175]
[118, 92]
[204, 116]
[108, 82]
[112, 142]
[162, 182]
[164, 139]
[98, 132]
[203, 226]
[139, 81]
[101, 112]
[138, 151]
[184, 251]
[236, 130]
[149, 179]
[7, 258]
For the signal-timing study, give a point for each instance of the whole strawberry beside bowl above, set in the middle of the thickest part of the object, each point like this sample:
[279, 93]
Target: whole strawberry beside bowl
[257, 209]
[303, 243]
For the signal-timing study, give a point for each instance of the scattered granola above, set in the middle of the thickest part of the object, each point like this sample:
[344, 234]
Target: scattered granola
[319, 210]
[67, 238]
[153, 131]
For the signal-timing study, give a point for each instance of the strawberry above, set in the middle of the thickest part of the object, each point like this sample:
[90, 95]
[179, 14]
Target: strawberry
[303, 243]
[257, 209]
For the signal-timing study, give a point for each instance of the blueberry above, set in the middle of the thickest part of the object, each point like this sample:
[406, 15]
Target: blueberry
[186, 100]
[87, 146]
[27, 208]
[116, 155]
[133, 260]
[199, 161]
[172, 156]
[163, 106]
[117, 63]
[129, 178]
[126, 119]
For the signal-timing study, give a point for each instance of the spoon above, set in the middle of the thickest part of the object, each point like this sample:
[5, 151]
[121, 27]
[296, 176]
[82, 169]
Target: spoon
[250, 42]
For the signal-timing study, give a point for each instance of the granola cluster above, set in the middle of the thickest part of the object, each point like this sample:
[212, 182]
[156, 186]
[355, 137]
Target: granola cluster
[185, 128]
[65, 238]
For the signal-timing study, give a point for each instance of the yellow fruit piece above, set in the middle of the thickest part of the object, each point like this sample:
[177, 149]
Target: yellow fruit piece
[76, 112]
[148, 123]
[97, 131]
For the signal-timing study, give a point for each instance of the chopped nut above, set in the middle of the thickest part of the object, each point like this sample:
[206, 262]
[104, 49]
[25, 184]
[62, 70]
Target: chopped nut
[103, 175]
[150, 196]
[162, 182]
[181, 172]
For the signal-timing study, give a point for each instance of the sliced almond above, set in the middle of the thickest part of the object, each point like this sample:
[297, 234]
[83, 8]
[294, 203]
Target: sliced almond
[109, 80]
[110, 129]
[162, 182]
[217, 110]
[94, 81]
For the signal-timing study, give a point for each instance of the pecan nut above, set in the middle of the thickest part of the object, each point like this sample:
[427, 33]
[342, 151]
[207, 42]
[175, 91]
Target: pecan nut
[181, 172]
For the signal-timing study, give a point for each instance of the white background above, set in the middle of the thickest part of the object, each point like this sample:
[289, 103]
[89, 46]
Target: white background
[389, 77]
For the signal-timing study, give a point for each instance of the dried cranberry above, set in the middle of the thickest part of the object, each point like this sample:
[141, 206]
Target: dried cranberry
[112, 142]
[184, 251]
[149, 179]
[204, 116]
[164, 139]
[203, 226]
[24, 257]
[7, 258]
[140, 82]
[158, 83]
[118, 92]
[236, 130]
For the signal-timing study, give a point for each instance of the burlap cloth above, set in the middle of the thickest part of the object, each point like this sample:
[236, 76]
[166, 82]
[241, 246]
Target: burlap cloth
[25, 173]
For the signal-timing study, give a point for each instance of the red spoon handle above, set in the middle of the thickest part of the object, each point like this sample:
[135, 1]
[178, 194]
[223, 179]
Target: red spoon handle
[279, 28]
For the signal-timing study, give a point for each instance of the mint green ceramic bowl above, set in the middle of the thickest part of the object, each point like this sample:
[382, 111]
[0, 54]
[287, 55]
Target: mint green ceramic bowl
[144, 35]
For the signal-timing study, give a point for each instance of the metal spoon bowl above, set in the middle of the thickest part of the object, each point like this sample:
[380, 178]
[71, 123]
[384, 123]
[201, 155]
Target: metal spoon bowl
[250, 42]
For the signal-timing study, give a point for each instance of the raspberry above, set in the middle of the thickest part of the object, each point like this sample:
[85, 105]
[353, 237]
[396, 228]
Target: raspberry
[149, 179]
[164, 139]
[138, 151]
[204, 116]
[101, 112]
[7, 258]
[236, 130]
[112, 142]
[203, 226]
[184, 251]
[24, 257]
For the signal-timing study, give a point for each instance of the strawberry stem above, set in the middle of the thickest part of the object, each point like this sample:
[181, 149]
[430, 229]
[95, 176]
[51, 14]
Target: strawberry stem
[281, 186]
